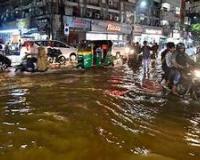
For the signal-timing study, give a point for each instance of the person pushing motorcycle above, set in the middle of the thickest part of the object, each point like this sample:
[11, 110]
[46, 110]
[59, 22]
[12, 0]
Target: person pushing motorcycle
[180, 61]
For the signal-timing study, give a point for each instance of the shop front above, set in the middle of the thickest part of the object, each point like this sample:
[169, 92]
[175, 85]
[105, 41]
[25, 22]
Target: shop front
[39, 28]
[106, 30]
[10, 32]
[149, 34]
[76, 29]
[20, 30]
[9, 35]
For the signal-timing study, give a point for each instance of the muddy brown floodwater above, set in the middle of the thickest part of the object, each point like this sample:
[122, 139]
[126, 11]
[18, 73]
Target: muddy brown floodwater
[98, 114]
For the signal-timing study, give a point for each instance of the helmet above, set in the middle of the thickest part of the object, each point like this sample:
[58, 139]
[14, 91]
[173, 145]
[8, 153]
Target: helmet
[170, 45]
[180, 46]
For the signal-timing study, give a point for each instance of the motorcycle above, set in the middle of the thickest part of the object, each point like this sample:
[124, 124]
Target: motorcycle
[190, 84]
[55, 56]
[28, 64]
[4, 62]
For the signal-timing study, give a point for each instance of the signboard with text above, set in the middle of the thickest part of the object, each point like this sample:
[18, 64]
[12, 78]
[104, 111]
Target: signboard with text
[113, 28]
[107, 26]
[153, 31]
[77, 23]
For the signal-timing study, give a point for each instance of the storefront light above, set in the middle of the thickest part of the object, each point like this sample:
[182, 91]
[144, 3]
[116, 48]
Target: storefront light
[14, 31]
[44, 37]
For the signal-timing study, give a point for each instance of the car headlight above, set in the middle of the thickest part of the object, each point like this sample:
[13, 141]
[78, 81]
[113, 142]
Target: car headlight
[197, 73]
[127, 49]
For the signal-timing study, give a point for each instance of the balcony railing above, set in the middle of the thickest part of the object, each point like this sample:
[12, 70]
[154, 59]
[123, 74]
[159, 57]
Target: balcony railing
[93, 2]
[76, 1]
[191, 13]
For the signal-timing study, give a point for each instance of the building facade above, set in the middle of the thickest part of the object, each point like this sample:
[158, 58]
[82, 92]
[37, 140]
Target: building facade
[193, 19]
[147, 23]
[171, 20]
[193, 11]
[106, 19]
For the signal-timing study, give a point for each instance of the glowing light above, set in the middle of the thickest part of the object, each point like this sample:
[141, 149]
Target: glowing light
[127, 49]
[10, 31]
[197, 73]
[132, 51]
[143, 4]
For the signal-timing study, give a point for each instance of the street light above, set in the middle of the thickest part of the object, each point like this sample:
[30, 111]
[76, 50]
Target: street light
[143, 4]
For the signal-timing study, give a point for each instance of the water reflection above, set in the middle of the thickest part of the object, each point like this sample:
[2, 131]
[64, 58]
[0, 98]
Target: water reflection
[15, 105]
[100, 113]
[192, 136]
[129, 114]
[17, 102]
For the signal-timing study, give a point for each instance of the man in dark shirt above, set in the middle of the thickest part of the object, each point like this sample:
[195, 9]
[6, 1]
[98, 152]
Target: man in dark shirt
[146, 56]
[180, 61]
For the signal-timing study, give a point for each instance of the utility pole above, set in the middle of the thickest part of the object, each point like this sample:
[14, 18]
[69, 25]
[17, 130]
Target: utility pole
[62, 13]
[51, 35]
[182, 14]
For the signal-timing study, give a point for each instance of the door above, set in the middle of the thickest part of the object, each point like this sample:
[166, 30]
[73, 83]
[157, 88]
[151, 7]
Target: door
[65, 49]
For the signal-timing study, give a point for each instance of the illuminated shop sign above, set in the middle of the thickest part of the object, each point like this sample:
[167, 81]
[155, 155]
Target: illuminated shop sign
[79, 23]
[113, 28]
[23, 23]
[153, 31]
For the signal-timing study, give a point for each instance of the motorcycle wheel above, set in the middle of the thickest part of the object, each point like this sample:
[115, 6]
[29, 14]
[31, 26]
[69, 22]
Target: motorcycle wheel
[196, 93]
[3, 66]
[73, 57]
[62, 60]
[181, 89]
[50, 60]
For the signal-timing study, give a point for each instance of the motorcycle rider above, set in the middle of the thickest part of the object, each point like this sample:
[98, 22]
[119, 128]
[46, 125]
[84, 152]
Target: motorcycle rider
[180, 61]
[170, 49]
[29, 61]
[168, 60]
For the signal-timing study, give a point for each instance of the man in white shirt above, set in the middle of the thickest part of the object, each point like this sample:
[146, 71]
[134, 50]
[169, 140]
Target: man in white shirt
[168, 60]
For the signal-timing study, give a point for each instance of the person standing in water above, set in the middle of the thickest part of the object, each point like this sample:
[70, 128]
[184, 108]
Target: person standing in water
[146, 57]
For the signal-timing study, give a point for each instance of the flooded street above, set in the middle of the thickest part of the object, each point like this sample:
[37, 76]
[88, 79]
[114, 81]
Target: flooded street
[98, 114]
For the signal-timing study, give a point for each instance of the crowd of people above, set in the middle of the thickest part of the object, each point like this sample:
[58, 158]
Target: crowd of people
[149, 52]
[174, 62]
[10, 48]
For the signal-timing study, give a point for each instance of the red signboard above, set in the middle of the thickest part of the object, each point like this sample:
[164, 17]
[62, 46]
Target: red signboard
[113, 28]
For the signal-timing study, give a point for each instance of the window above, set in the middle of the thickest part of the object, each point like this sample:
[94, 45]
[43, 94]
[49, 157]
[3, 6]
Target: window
[39, 43]
[44, 43]
[59, 44]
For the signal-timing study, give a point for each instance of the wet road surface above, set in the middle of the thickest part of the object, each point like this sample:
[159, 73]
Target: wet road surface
[97, 114]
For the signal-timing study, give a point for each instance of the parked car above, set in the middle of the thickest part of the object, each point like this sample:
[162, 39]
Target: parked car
[121, 48]
[69, 52]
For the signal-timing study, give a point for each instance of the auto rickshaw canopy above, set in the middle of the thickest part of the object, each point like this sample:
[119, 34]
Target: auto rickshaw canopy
[88, 45]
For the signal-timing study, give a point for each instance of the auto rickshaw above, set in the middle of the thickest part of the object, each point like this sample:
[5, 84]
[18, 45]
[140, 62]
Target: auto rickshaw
[94, 53]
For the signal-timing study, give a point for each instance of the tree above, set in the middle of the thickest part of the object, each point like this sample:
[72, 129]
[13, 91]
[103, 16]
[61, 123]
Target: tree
[196, 28]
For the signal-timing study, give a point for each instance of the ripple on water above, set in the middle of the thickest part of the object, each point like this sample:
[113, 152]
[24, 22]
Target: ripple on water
[193, 134]
[127, 118]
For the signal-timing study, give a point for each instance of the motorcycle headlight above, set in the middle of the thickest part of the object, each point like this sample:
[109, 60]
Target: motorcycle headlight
[197, 73]
[127, 49]
[132, 51]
